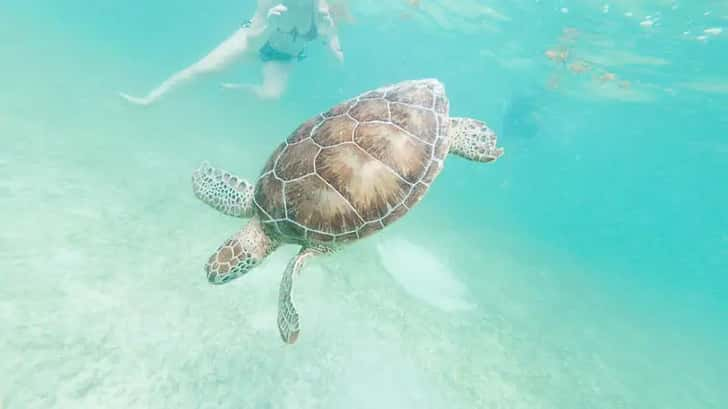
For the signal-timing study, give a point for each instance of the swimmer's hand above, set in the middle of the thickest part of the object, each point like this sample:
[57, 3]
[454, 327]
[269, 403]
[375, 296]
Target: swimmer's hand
[335, 47]
[277, 10]
[135, 100]
[339, 55]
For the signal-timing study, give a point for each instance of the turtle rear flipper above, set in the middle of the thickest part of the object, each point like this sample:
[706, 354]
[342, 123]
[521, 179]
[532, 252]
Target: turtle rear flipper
[223, 191]
[289, 324]
[288, 319]
[474, 140]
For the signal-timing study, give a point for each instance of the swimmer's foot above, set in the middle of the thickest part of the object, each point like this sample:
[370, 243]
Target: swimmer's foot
[135, 100]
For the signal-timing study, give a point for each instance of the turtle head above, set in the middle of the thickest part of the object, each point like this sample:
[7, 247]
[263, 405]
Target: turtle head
[239, 254]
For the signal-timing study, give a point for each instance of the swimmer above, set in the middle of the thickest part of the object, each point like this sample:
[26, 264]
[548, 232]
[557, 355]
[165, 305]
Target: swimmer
[559, 56]
[607, 76]
[276, 37]
[579, 67]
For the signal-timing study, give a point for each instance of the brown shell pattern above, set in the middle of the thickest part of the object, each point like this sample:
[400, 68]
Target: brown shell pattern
[347, 173]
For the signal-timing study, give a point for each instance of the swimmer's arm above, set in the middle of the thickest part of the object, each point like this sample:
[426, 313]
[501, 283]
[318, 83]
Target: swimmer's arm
[263, 20]
[327, 29]
[335, 47]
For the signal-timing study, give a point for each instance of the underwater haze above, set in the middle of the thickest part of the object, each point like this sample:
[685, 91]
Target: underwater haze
[586, 268]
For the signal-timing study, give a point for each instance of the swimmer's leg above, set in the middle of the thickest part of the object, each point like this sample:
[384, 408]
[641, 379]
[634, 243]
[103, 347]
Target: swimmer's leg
[221, 57]
[275, 81]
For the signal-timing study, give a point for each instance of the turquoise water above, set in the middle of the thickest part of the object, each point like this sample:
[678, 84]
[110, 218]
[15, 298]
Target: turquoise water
[584, 269]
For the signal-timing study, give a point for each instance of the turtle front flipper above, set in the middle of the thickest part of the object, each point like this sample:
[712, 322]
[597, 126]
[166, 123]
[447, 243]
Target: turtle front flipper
[223, 191]
[473, 140]
[288, 318]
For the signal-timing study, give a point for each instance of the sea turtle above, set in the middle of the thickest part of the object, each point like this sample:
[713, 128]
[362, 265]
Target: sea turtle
[339, 177]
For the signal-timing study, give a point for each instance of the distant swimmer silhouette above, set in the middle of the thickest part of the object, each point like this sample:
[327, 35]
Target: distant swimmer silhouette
[276, 36]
